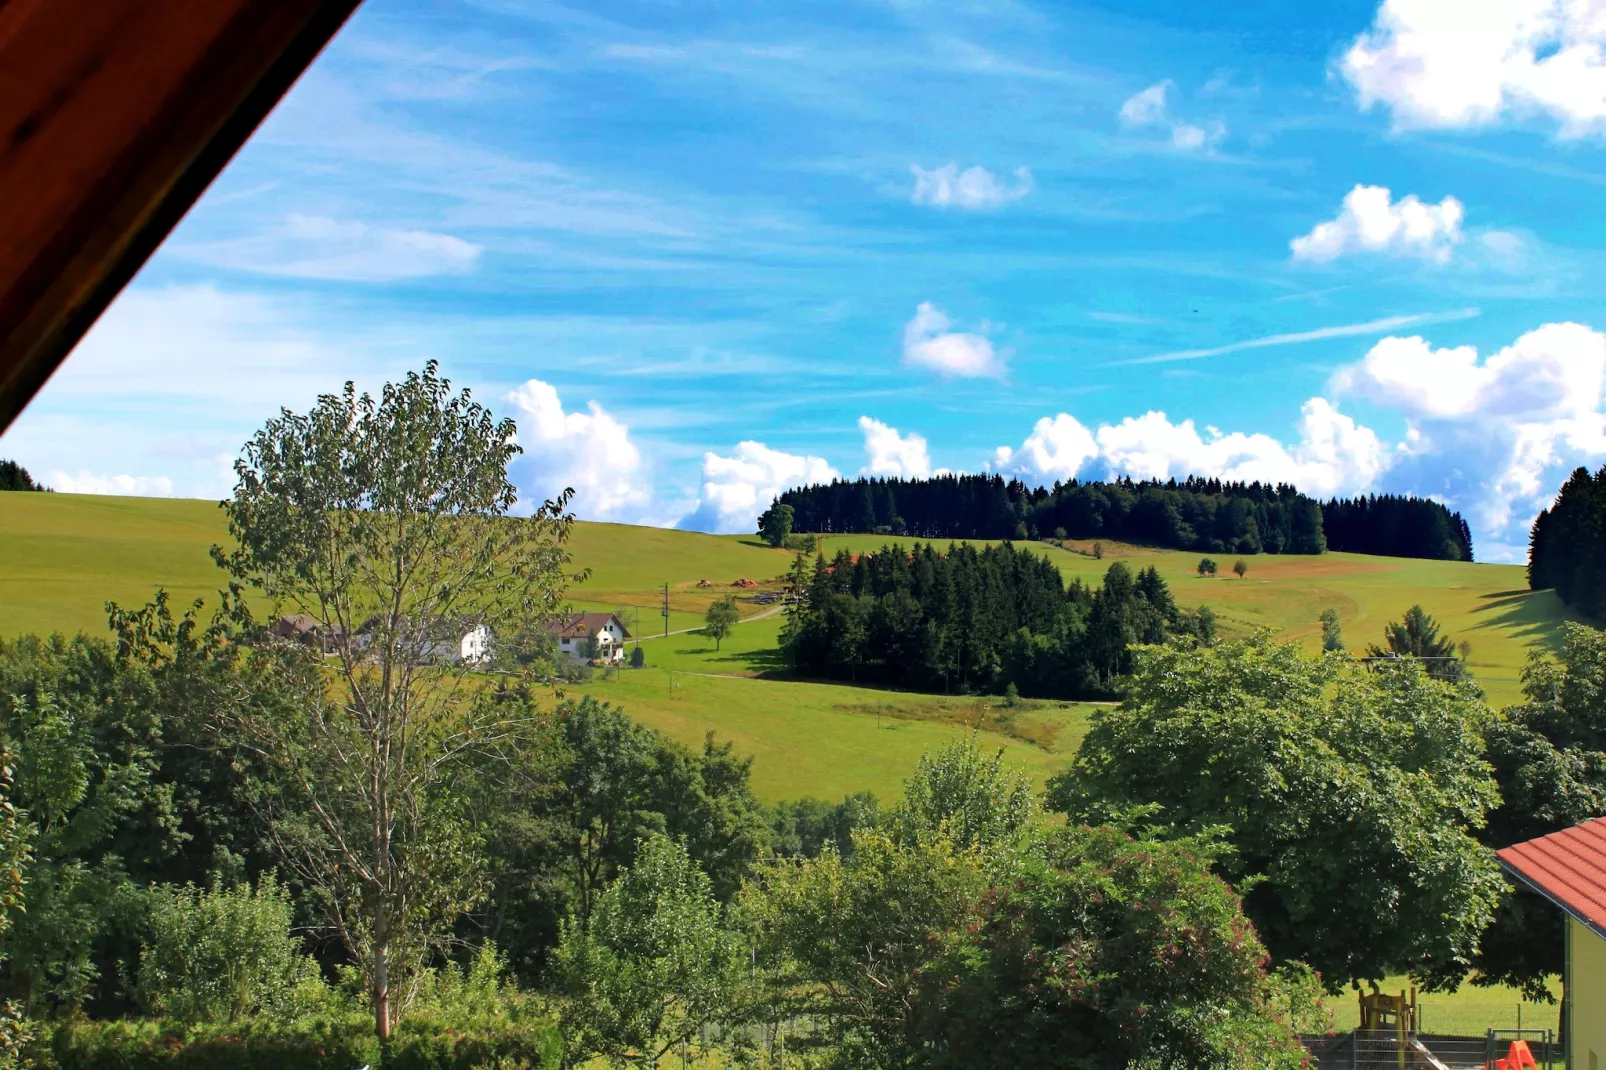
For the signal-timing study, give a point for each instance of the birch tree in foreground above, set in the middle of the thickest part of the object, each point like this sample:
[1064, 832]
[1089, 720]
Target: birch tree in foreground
[389, 522]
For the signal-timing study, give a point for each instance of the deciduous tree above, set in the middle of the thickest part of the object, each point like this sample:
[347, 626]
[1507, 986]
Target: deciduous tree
[1332, 631]
[776, 524]
[652, 965]
[721, 617]
[1337, 789]
[1549, 758]
[390, 522]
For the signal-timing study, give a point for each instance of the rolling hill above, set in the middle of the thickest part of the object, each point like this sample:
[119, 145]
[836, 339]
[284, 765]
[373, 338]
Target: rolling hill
[63, 556]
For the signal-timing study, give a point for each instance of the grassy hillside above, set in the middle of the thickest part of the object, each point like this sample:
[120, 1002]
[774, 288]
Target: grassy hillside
[1489, 606]
[63, 556]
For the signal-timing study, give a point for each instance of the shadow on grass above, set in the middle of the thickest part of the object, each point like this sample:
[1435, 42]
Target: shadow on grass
[1536, 616]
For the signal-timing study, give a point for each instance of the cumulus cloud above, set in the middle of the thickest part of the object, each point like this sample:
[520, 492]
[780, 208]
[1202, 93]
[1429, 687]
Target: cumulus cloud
[739, 487]
[929, 344]
[1151, 109]
[1371, 222]
[1450, 63]
[85, 482]
[974, 187]
[890, 454]
[1056, 450]
[1491, 436]
[590, 451]
[1555, 372]
[318, 247]
[1334, 454]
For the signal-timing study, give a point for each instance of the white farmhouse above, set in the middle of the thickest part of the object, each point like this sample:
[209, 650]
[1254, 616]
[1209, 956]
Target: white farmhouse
[575, 632]
[443, 641]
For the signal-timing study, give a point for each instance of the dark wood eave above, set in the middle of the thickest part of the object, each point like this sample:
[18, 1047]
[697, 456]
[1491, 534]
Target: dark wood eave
[115, 115]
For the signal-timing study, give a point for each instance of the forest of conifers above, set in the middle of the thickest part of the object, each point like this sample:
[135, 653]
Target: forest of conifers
[1195, 514]
[973, 619]
[1566, 550]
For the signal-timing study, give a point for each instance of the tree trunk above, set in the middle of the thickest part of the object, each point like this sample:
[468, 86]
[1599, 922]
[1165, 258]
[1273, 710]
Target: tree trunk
[382, 974]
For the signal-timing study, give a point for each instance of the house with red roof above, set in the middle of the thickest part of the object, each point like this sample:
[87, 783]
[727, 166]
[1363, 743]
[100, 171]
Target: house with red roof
[1569, 869]
[590, 636]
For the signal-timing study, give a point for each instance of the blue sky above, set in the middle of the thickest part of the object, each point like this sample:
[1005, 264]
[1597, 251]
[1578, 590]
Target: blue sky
[702, 251]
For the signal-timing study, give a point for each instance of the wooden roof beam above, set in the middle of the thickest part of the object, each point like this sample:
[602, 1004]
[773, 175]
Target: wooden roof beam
[115, 115]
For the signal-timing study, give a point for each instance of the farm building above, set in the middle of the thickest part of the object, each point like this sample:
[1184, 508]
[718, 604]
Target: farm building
[576, 632]
[1569, 869]
[457, 641]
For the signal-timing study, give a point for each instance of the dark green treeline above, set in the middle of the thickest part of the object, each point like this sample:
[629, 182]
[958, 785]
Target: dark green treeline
[1394, 525]
[1567, 546]
[1207, 515]
[1198, 514]
[976, 620]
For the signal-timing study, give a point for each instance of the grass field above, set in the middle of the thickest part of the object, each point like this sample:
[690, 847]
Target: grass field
[1468, 1011]
[1489, 606]
[63, 556]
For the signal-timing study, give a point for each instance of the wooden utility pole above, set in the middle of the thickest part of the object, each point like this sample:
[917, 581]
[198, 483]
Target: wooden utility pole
[666, 611]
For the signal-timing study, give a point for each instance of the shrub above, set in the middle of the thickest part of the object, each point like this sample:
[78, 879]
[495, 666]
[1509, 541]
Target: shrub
[638, 658]
[223, 954]
[343, 1042]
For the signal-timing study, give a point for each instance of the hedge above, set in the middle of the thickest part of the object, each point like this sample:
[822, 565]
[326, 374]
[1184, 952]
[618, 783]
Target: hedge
[347, 1044]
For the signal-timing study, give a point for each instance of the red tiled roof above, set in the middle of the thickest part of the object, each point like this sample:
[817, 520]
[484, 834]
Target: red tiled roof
[1568, 868]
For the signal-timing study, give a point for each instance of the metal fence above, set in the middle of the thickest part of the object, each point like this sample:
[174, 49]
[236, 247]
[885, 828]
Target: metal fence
[1386, 1049]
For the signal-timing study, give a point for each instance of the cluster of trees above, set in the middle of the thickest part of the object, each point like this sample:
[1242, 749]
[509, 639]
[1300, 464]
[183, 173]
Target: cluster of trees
[975, 620]
[1232, 833]
[954, 930]
[1567, 546]
[1393, 525]
[15, 477]
[1196, 514]
[202, 824]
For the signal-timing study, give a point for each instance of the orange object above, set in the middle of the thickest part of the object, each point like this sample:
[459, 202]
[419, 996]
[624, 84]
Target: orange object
[1520, 1055]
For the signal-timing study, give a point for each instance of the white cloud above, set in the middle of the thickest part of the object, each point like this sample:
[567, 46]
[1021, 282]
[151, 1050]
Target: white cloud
[1146, 108]
[86, 482]
[171, 378]
[1334, 455]
[1056, 450]
[974, 187]
[317, 247]
[892, 454]
[590, 451]
[1465, 63]
[1493, 437]
[737, 488]
[1151, 108]
[1370, 222]
[928, 343]
[1555, 372]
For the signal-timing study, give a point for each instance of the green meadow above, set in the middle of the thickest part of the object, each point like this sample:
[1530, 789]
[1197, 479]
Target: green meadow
[1488, 606]
[63, 556]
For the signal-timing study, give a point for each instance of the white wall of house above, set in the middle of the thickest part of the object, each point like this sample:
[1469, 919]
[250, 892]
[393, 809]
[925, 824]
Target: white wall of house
[475, 646]
[610, 643]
